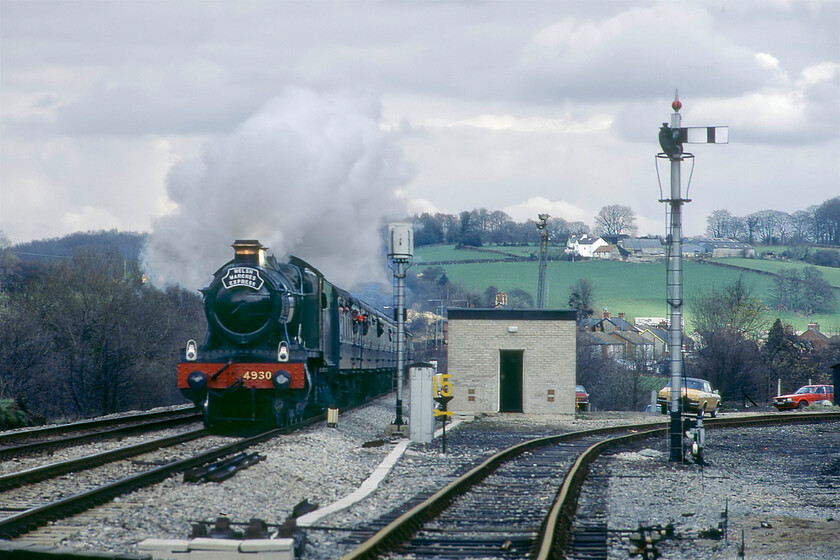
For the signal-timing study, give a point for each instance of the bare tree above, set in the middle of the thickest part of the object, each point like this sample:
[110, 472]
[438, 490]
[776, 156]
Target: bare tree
[827, 222]
[771, 226]
[577, 228]
[728, 321]
[802, 224]
[24, 352]
[805, 292]
[751, 223]
[787, 358]
[558, 230]
[105, 341]
[581, 298]
[718, 224]
[9, 263]
[611, 385]
[737, 228]
[732, 364]
[615, 220]
[784, 226]
[735, 307]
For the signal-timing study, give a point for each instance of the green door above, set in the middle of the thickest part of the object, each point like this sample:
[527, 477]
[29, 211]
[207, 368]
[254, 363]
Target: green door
[510, 380]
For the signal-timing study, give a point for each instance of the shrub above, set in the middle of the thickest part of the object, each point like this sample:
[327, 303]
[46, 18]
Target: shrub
[13, 415]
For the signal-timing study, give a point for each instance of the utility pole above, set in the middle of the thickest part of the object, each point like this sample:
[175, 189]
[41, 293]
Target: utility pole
[541, 226]
[439, 319]
[671, 139]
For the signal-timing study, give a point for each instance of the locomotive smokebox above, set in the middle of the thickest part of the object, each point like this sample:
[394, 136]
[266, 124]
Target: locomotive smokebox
[248, 252]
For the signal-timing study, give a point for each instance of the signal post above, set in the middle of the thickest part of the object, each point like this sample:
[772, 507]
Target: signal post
[671, 139]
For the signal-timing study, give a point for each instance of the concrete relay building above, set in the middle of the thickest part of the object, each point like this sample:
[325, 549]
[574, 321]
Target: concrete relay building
[512, 360]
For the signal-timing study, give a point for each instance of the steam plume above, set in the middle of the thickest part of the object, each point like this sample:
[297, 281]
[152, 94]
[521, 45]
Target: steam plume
[309, 175]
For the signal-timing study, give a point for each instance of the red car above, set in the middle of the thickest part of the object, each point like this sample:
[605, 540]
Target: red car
[805, 396]
[581, 398]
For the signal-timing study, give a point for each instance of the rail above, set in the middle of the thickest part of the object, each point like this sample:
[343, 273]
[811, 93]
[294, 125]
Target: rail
[96, 423]
[556, 525]
[25, 521]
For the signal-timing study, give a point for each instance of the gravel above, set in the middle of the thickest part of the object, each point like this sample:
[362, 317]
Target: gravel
[776, 496]
[322, 464]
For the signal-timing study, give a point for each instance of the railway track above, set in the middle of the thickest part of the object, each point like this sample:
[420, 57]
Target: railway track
[37, 440]
[499, 510]
[30, 515]
[51, 470]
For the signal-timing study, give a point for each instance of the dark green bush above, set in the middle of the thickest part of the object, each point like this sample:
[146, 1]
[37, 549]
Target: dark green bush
[13, 415]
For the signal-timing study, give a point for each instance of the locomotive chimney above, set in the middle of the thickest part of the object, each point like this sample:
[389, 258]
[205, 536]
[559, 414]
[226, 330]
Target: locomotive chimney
[248, 252]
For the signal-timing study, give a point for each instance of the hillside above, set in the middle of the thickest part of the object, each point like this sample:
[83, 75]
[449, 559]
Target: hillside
[636, 289]
[830, 274]
[129, 244]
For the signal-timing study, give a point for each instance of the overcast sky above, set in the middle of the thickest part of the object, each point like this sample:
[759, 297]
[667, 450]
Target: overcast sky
[224, 119]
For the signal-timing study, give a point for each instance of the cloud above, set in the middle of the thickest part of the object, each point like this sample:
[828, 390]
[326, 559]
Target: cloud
[495, 103]
[512, 123]
[89, 218]
[57, 185]
[637, 53]
[804, 111]
[531, 208]
[307, 174]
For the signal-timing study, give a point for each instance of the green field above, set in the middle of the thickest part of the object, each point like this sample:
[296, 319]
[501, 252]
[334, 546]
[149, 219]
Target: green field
[635, 289]
[437, 253]
[830, 274]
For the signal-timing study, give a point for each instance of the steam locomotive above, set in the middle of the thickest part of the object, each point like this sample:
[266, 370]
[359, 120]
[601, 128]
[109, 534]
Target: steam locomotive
[282, 342]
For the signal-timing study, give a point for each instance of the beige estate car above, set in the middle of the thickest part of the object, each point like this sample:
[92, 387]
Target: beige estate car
[697, 396]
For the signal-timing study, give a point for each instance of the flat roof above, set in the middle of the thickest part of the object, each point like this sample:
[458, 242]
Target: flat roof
[512, 314]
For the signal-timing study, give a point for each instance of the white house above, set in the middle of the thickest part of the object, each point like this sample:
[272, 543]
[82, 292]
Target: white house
[584, 245]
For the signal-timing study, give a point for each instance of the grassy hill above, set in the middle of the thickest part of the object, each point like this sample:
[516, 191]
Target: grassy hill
[830, 274]
[636, 289]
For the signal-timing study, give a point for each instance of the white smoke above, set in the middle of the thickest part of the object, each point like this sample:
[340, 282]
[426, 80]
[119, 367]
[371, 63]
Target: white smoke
[308, 175]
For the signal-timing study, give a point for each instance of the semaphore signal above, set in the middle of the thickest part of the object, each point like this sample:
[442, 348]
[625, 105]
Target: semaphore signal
[671, 139]
[705, 135]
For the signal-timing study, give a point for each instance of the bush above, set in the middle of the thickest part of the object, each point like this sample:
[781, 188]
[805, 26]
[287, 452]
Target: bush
[822, 257]
[13, 415]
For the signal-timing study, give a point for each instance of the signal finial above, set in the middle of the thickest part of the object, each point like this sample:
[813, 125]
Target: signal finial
[676, 105]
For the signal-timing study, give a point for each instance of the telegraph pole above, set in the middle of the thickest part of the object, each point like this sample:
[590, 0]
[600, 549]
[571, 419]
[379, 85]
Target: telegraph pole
[541, 225]
[671, 139]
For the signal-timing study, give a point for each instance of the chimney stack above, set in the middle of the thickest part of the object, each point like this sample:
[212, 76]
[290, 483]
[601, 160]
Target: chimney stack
[248, 252]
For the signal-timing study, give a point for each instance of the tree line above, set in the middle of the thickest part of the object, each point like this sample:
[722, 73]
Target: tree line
[477, 227]
[84, 335]
[818, 225]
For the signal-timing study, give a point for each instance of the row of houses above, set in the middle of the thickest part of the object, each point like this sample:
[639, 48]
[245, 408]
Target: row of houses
[618, 339]
[645, 342]
[626, 248]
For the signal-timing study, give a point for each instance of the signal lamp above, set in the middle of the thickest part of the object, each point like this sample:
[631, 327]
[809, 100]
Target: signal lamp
[192, 351]
[283, 352]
